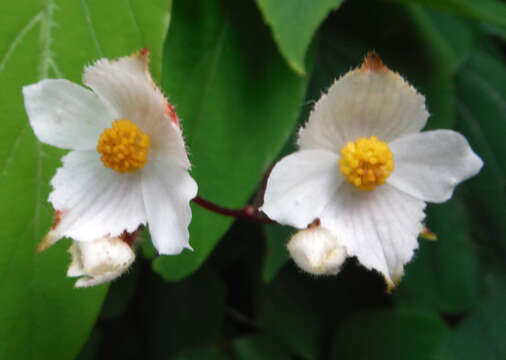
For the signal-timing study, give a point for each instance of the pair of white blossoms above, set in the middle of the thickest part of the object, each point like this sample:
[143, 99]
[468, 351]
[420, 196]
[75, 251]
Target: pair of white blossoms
[357, 185]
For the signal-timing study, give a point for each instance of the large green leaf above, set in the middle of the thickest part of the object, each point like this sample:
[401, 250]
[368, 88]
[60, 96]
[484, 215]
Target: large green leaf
[42, 315]
[239, 102]
[447, 42]
[289, 316]
[294, 23]
[184, 315]
[491, 11]
[300, 311]
[390, 335]
[448, 38]
[482, 334]
[260, 348]
[481, 106]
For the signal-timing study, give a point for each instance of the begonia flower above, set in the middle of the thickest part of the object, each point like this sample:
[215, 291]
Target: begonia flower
[128, 164]
[364, 169]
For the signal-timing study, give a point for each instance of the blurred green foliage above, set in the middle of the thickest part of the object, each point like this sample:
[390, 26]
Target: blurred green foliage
[242, 75]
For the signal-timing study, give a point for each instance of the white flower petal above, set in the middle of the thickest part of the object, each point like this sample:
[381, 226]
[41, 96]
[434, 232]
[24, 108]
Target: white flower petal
[430, 164]
[168, 189]
[66, 115]
[300, 186]
[93, 200]
[317, 251]
[99, 261]
[370, 100]
[167, 138]
[379, 227]
[127, 86]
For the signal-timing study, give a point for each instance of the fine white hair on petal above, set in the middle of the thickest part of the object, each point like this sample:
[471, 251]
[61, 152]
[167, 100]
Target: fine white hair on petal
[66, 115]
[379, 227]
[99, 261]
[300, 185]
[168, 189]
[430, 164]
[95, 201]
[316, 251]
[370, 100]
[127, 86]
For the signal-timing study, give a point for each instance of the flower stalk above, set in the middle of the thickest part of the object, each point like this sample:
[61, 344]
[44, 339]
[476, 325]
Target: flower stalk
[248, 212]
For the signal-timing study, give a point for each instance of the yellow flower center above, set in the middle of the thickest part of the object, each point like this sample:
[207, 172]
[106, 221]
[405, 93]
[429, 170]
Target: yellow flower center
[124, 147]
[366, 163]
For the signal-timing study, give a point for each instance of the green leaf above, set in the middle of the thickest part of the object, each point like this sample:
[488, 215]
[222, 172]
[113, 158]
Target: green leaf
[447, 42]
[91, 349]
[443, 276]
[491, 11]
[290, 316]
[482, 334]
[200, 353]
[239, 103]
[293, 23]
[389, 335]
[184, 315]
[42, 315]
[495, 30]
[449, 39]
[146, 246]
[481, 106]
[301, 312]
[277, 255]
[260, 348]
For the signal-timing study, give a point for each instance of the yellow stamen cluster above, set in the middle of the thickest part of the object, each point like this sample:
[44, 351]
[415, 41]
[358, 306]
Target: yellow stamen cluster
[124, 147]
[366, 163]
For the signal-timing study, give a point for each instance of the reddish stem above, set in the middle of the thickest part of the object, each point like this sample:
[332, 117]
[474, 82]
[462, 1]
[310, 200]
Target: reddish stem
[248, 212]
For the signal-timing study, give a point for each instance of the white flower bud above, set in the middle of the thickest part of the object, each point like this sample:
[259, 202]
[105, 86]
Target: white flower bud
[316, 251]
[99, 261]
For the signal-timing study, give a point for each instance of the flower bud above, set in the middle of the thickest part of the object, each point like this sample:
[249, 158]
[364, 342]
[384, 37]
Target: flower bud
[316, 251]
[99, 261]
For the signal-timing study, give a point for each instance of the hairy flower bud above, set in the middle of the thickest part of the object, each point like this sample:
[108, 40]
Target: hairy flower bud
[99, 261]
[316, 251]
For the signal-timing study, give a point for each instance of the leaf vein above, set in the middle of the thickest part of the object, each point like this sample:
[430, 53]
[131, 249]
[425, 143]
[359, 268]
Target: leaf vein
[482, 83]
[91, 27]
[134, 19]
[212, 73]
[17, 40]
[13, 149]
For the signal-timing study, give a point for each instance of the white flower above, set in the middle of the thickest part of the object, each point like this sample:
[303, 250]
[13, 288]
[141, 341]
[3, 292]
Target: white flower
[365, 169]
[316, 251]
[99, 261]
[128, 165]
